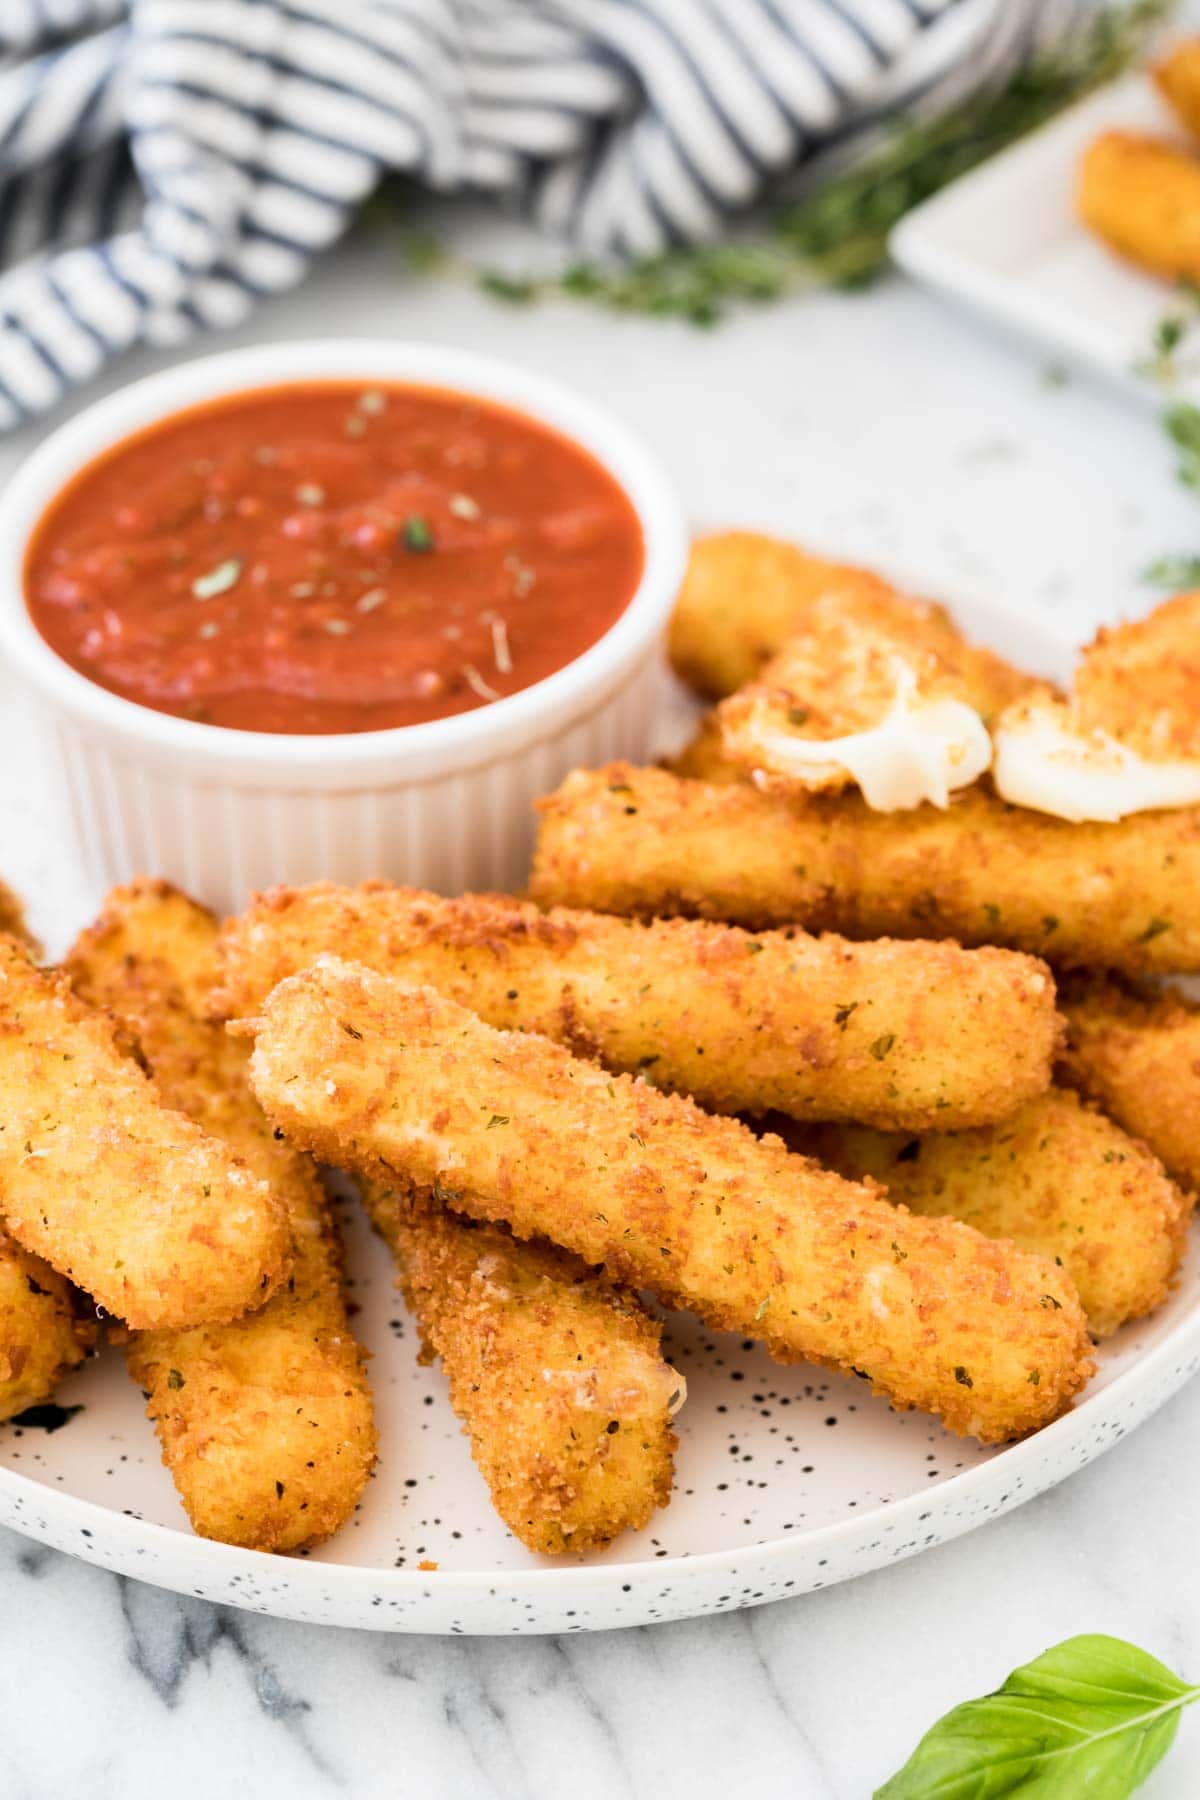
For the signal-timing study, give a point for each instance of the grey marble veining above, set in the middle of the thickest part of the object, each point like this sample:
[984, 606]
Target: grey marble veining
[885, 428]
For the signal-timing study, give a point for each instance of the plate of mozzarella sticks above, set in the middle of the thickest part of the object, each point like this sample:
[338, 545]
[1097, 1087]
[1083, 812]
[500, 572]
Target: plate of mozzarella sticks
[1085, 235]
[797, 1174]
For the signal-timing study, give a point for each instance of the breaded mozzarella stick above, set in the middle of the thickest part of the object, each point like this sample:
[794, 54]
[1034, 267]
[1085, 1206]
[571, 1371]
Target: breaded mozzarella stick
[557, 1376]
[266, 1424]
[897, 1034]
[1138, 1055]
[1056, 1177]
[42, 1338]
[376, 1076]
[1141, 195]
[159, 1222]
[1123, 896]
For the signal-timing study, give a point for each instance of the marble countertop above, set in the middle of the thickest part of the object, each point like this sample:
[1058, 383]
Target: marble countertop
[888, 429]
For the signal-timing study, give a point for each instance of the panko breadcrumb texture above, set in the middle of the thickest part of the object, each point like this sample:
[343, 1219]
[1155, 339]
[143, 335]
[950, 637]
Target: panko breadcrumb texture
[745, 594]
[379, 1077]
[12, 921]
[1057, 1177]
[152, 1217]
[644, 841]
[1141, 195]
[898, 1034]
[1140, 682]
[557, 1376]
[1177, 78]
[842, 675]
[43, 1337]
[266, 1424]
[1137, 1053]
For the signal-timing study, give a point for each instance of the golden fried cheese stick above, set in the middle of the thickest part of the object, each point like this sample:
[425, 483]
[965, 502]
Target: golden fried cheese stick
[129, 1199]
[889, 699]
[1138, 1054]
[1123, 896]
[557, 1375]
[894, 1033]
[744, 595]
[374, 1075]
[1177, 78]
[1057, 1177]
[266, 1424]
[1141, 195]
[42, 1338]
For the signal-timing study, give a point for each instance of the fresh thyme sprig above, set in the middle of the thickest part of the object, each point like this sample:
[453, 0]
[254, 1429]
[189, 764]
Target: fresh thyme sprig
[837, 235]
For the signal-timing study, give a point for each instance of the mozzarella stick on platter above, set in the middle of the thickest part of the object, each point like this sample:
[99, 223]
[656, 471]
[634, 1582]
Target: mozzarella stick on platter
[266, 1424]
[43, 1336]
[896, 1034]
[1137, 1054]
[1057, 1177]
[155, 1219]
[1122, 896]
[378, 1077]
[557, 1375]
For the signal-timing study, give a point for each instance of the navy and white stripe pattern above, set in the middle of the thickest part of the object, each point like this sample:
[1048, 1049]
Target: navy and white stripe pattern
[165, 163]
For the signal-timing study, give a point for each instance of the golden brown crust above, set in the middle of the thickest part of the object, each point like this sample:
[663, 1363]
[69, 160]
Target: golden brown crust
[742, 595]
[901, 1035]
[1140, 682]
[1138, 1054]
[266, 1424]
[841, 675]
[129, 1199]
[12, 921]
[642, 841]
[1141, 195]
[376, 1076]
[557, 1375]
[745, 595]
[1177, 77]
[42, 1335]
[1057, 1177]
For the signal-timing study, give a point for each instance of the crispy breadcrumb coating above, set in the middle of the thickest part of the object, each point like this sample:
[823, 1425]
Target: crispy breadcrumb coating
[377, 1076]
[742, 595]
[557, 1376]
[1177, 78]
[42, 1334]
[1141, 195]
[1138, 1054]
[12, 921]
[266, 1424]
[845, 673]
[1057, 1177]
[129, 1199]
[630, 840]
[745, 594]
[1140, 682]
[897, 1034]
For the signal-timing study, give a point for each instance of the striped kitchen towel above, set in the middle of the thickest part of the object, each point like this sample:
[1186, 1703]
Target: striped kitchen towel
[165, 164]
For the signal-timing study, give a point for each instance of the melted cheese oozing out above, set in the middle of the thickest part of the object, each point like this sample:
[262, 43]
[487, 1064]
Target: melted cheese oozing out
[921, 750]
[1042, 764]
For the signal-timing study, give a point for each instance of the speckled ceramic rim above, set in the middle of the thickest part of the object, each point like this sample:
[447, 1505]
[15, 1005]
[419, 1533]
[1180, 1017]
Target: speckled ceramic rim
[369, 758]
[1062, 1448]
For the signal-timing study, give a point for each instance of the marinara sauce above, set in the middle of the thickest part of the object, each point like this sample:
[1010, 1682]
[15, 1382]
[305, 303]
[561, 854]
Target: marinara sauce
[330, 556]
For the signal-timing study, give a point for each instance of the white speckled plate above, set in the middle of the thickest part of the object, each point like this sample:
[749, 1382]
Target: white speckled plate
[787, 1479]
[1005, 241]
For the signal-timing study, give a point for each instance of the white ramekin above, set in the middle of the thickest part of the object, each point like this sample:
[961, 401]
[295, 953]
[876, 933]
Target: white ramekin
[445, 805]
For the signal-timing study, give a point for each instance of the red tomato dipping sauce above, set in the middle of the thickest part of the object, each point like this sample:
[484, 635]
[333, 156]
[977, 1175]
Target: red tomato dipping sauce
[329, 557]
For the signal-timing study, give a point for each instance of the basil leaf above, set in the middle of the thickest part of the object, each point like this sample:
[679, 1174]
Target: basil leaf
[1093, 1715]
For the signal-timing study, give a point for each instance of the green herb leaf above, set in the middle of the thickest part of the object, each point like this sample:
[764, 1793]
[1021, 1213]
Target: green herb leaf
[1093, 1715]
[174, 1379]
[417, 535]
[218, 580]
[1176, 573]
